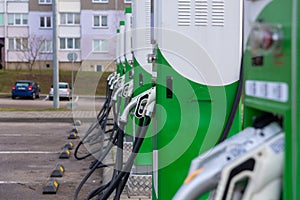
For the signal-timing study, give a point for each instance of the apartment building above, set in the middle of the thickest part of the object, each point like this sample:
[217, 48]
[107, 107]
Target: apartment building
[85, 27]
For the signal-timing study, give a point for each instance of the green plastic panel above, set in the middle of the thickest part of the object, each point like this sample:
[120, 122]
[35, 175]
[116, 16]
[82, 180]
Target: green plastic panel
[190, 121]
[145, 154]
[280, 67]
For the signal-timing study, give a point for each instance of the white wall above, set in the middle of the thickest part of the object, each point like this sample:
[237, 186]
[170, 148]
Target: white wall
[69, 6]
[69, 31]
[19, 7]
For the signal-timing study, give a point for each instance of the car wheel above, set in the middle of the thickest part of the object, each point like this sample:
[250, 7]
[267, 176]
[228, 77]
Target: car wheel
[50, 98]
[13, 97]
[33, 96]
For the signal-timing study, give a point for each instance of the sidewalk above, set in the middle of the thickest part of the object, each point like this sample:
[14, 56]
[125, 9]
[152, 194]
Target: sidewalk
[46, 116]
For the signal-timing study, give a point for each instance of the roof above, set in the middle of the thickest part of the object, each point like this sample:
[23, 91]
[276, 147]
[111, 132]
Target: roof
[26, 81]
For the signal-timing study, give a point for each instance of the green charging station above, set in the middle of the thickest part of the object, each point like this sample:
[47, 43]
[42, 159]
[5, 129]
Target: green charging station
[271, 78]
[142, 77]
[128, 63]
[197, 58]
[124, 64]
[117, 60]
[135, 74]
[270, 94]
[200, 48]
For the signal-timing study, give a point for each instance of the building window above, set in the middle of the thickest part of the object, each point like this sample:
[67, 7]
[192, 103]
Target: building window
[1, 19]
[100, 1]
[17, 44]
[45, 22]
[100, 45]
[17, 19]
[69, 43]
[69, 18]
[99, 68]
[127, 1]
[100, 21]
[46, 46]
[45, 1]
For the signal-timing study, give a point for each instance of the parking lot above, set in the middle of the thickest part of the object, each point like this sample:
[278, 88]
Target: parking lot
[29, 152]
[32, 140]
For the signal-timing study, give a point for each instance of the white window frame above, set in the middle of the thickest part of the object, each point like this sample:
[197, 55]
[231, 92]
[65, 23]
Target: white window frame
[68, 16]
[100, 21]
[16, 44]
[100, 1]
[46, 46]
[100, 49]
[15, 18]
[127, 1]
[66, 40]
[45, 2]
[45, 22]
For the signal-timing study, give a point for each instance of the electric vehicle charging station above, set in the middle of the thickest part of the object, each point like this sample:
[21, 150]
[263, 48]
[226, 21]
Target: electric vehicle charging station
[198, 55]
[122, 64]
[117, 60]
[142, 77]
[142, 46]
[124, 95]
[120, 48]
[271, 78]
[121, 86]
[127, 87]
[198, 58]
[271, 81]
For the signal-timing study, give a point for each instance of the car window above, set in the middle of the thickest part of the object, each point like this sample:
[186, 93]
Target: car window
[22, 84]
[63, 86]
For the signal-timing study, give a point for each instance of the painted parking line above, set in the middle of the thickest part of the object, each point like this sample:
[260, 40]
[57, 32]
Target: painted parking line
[28, 152]
[14, 182]
[20, 135]
[39, 166]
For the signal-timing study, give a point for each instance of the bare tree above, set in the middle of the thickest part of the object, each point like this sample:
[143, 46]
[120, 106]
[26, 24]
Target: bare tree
[30, 50]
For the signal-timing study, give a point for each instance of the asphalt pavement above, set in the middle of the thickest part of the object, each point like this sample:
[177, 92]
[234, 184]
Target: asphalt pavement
[30, 145]
[29, 152]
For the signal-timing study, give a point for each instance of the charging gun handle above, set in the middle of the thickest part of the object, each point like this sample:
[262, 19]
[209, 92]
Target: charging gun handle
[205, 181]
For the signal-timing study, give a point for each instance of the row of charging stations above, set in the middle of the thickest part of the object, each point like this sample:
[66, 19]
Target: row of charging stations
[223, 77]
[189, 99]
[195, 85]
[136, 80]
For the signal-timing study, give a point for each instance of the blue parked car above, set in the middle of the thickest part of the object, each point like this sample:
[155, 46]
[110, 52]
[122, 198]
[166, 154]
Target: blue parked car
[25, 88]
